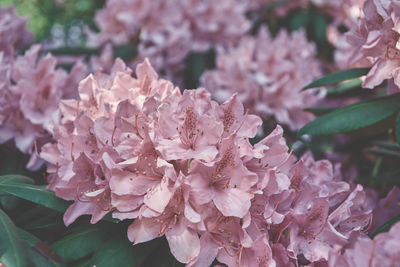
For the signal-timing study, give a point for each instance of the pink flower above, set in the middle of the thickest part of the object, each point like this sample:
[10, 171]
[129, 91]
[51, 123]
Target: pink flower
[268, 79]
[166, 32]
[13, 31]
[30, 103]
[386, 209]
[383, 250]
[188, 128]
[376, 40]
[182, 166]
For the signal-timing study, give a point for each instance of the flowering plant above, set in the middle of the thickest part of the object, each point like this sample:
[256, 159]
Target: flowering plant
[107, 160]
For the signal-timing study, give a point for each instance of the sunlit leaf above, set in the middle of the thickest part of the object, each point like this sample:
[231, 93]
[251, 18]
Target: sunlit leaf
[338, 77]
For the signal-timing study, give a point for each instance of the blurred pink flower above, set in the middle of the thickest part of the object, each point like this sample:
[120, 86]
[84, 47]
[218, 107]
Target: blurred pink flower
[268, 78]
[13, 31]
[166, 31]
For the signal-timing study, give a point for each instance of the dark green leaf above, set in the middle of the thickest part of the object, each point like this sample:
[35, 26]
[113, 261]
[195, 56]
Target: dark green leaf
[320, 25]
[12, 252]
[397, 130]
[338, 77]
[386, 226]
[15, 178]
[36, 194]
[384, 152]
[36, 250]
[354, 116]
[300, 20]
[119, 252]
[78, 245]
[319, 111]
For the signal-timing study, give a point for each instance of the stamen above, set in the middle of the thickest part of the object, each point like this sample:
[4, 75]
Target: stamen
[45, 177]
[287, 158]
[371, 258]
[112, 136]
[101, 207]
[322, 228]
[273, 212]
[370, 223]
[36, 149]
[72, 148]
[242, 122]
[77, 107]
[137, 128]
[283, 229]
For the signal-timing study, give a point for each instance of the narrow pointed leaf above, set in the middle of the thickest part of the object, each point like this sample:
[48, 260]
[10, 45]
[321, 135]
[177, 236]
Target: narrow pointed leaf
[338, 77]
[354, 116]
[12, 252]
[15, 178]
[36, 194]
[345, 87]
[78, 245]
[39, 254]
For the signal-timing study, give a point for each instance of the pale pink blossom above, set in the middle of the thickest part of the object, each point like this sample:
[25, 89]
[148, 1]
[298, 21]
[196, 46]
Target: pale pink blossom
[182, 166]
[167, 31]
[268, 78]
[374, 42]
[31, 92]
[383, 250]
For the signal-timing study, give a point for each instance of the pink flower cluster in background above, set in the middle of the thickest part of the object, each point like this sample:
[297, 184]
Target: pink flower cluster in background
[268, 74]
[182, 166]
[13, 31]
[166, 31]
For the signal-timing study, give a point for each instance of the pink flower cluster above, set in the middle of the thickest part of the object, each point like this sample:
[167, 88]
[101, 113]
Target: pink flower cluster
[30, 92]
[166, 31]
[383, 250]
[268, 78]
[375, 42]
[182, 167]
[13, 31]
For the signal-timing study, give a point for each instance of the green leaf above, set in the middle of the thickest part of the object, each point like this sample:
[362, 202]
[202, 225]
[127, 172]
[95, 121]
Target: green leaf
[345, 87]
[119, 252]
[397, 129]
[338, 77]
[299, 20]
[78, 245]
[386, 226]
[15, 178]
[34, 193]
[354, 116]
[319, 111]
[12, 252]
[33, 245]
